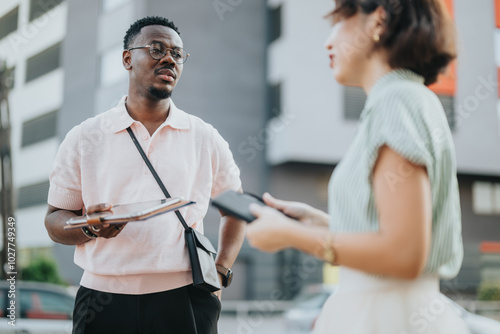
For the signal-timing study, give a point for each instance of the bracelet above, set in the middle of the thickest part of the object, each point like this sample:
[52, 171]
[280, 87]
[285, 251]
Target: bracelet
[89, 234]
[328, 251]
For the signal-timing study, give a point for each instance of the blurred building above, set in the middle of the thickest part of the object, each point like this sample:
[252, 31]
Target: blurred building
[31, 37]
[258, 72]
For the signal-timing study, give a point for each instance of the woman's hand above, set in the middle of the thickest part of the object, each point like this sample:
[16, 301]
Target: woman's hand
[299, 211]
[104, 230]
[281, 224]
[271, 231]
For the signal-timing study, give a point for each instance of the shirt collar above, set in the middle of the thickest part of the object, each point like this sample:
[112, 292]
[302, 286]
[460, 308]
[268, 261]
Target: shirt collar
[385, 80]
[120, 118]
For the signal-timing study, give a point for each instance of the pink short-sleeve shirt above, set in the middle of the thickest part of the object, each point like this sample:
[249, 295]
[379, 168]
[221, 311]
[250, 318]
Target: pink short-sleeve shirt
[98, 163]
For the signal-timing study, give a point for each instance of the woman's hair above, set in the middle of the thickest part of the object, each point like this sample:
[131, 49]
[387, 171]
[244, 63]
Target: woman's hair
[419, 35]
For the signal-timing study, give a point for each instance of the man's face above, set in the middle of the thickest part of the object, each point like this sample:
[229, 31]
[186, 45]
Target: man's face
[151, 78]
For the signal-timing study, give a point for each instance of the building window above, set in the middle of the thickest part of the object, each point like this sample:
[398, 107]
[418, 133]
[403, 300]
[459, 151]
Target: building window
[274, 100]
[8, 22]
[39, 128]
[274, 17]
[448, 103]
[11, 75]
[40, 7]
[354, 102]
[486, 198]
[35, 194]
[44, 62]
[111, 67]
[110, 5]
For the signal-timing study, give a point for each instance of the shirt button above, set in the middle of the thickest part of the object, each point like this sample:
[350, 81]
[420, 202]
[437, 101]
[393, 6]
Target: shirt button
[150, 150]
[146, 137]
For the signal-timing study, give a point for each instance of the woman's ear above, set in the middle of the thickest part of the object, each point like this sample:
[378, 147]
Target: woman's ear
[126, 60]
[379, 17]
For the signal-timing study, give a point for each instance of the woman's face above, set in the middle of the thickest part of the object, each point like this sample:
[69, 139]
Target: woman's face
[349, 46]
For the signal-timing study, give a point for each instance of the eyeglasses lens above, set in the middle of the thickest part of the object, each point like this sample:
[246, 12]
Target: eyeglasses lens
[158, 51]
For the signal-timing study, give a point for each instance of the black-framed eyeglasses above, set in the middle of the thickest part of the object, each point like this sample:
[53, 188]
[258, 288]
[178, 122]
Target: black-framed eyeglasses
[157, 51]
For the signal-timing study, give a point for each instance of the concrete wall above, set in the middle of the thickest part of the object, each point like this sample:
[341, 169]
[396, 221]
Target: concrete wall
[477, 137]
[312, 127]
[80, 64]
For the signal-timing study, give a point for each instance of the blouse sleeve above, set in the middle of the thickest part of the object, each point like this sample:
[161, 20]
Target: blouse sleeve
[399, 121]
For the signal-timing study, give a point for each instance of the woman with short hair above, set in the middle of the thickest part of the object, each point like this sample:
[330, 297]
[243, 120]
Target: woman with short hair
[394, 225]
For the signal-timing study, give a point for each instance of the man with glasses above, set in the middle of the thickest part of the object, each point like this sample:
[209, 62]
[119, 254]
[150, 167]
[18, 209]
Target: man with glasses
[137, 276]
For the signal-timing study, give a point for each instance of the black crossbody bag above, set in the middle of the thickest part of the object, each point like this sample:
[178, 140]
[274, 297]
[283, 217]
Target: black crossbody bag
[201, 251]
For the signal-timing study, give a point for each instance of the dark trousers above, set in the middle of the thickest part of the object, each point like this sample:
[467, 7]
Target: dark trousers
[186, 310]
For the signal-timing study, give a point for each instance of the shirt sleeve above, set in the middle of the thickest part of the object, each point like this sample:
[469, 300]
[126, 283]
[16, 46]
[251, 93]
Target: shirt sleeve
[226, 172]
[399, 121]
[65, 190]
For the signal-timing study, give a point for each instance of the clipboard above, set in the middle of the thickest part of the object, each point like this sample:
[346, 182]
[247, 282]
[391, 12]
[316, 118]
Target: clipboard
[124, 213]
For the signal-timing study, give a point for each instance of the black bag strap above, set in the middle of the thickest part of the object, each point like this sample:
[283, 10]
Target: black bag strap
[155, 175]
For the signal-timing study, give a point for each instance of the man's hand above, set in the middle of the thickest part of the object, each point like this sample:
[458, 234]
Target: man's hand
[218, 293]
[106, 231]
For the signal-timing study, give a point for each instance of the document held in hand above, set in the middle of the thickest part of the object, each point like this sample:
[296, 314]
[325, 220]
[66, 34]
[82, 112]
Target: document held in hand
[124, 213]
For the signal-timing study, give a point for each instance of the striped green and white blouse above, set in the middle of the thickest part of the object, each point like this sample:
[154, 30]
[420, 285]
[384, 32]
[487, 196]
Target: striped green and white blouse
[402, 113]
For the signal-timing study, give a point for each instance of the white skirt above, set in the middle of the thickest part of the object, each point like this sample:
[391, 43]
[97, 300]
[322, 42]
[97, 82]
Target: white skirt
[367, 304]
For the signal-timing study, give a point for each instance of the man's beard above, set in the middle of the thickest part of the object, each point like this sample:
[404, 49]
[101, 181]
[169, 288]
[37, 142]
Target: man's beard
[160, 94]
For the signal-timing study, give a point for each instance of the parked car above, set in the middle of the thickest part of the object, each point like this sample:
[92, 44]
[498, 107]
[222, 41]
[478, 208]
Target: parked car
[40, 308]
[301, 316]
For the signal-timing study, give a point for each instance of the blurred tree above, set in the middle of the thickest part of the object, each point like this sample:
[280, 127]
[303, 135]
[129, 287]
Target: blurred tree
[42, 269]
[489, 292]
